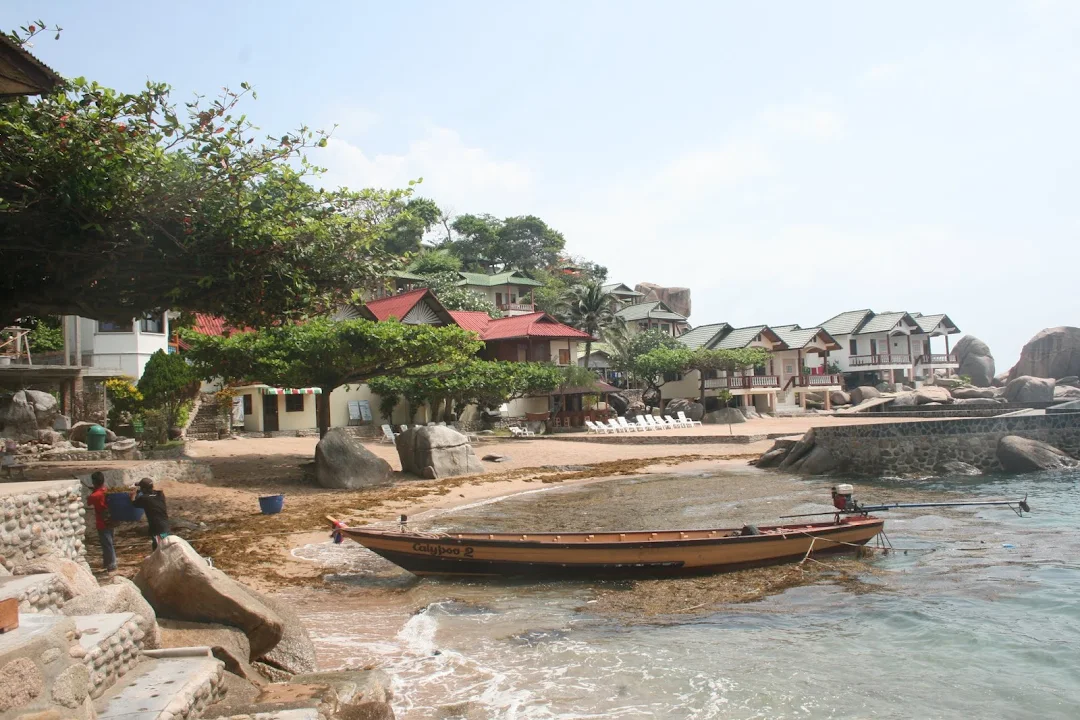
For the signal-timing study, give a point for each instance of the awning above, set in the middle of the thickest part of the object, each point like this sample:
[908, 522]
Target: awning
[292, 391]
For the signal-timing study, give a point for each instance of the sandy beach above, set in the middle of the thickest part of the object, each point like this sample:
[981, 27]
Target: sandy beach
[222, 519]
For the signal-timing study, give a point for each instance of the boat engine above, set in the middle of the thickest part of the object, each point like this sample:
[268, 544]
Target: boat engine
[841, 497]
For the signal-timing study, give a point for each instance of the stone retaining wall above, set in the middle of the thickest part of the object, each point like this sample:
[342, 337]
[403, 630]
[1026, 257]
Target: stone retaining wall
[176, 470]
[918, 448]
[39, 518]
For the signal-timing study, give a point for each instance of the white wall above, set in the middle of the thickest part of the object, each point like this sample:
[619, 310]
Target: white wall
[126, 351]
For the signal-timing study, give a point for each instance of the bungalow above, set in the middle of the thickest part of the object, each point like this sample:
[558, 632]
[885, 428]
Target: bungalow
[510, 291]
[803, 367]
[890, 346]
[622, 295]
[754, 386]
[653, 316]
[533, 337]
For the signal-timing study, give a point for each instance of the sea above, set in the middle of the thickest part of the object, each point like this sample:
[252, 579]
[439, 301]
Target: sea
[974, 613]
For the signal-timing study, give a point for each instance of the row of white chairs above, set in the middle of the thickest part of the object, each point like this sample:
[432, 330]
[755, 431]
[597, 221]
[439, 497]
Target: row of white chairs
[642, 423]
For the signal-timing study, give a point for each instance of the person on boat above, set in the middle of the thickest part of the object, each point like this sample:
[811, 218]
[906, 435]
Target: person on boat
[152, 501]
[96, 500]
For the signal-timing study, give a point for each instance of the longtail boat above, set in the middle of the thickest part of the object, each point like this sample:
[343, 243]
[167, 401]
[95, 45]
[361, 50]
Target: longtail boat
[638, 553]
[612, 554]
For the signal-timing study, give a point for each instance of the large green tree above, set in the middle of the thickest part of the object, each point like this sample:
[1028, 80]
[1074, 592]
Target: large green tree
[405, 230]
[486, 243]
[730, 360]
[115, 203]
[327, 354]
[167, 382]
[655, 367]
[588, 308]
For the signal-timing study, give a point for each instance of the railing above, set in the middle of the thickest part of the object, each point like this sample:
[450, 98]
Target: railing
[743, 382]
[817, 380]
[886, 359]
[937, 359]
[517, 307]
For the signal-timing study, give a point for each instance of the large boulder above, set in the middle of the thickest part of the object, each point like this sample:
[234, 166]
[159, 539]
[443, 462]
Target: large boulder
[863, 393]
[839, 397]
[692, 410]
[1027, 389]
[800, 449]
[634, 409]
[180, 584]
[295, 653]
[76, 579]
[1052, 353]
[725, 416]
[119, 596]
[676, 298]
[620, 403]
[968, 392]
[905, 399]
[17, 418]
[46, 409]
[817, 462]
[975, 359]
[228, 644]
[932, 394]
[957, 468]
[343, 463]
[78, 432]
[1066, 392]
[1019, 454]
[446, 451]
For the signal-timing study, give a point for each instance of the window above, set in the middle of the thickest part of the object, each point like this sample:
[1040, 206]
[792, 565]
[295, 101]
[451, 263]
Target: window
[153, 324]
[294, 403]
[672, 377]
[498, 300]
[564, 357]
[110, 326]
[789, 369]
[854, 347]
[665, 327]
[247, 405]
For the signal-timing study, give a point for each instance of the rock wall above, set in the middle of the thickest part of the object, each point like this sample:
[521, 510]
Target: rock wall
[920, 448]
[176, 470]
[39, 518]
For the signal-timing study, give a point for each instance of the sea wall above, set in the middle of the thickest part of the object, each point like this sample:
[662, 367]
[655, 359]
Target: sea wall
[39, 518]
[919, 448]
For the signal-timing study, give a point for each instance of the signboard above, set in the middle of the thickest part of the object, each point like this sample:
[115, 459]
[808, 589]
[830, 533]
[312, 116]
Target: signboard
[359, 410]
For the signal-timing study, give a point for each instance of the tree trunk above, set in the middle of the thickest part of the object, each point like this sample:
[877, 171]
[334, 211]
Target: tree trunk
[322, 411]
[588, 352]
[701, 388]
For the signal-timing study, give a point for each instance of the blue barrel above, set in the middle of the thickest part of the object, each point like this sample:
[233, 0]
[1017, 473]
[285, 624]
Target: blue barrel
[271, 504]
[121, 509]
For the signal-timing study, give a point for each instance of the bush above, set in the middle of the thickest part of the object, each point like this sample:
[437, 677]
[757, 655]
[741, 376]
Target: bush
[167, 383]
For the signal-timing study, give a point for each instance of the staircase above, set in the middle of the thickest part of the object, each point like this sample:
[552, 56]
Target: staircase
[207, 421]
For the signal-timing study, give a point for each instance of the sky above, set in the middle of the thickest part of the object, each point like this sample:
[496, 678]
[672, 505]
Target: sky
[786, 161]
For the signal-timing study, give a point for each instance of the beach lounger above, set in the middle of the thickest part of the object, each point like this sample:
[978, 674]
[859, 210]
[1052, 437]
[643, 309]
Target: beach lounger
[644, 425]
[688, 421]
[615, 426]
[597, 428]
[388, 435]
[655, 424]
[626, 426]
[671, 422]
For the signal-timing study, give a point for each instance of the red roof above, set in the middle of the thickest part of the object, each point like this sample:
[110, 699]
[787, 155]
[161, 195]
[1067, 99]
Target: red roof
[209, 324]
[475, 320]
[397, 306]
[532, 325]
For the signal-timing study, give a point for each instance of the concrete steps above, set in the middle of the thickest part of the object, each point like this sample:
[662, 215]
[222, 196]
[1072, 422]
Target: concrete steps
[112, 645]
[166, 688]
[206, 423]
[44, 593]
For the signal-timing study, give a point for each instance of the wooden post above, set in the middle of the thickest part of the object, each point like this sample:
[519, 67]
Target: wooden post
[911, 358]
[828, 399]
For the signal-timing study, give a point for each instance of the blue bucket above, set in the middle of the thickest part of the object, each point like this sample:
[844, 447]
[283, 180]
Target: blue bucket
[121, 509]
[271, 504]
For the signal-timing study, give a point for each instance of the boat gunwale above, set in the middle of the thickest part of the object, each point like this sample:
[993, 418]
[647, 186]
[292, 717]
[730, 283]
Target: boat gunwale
[811, 529]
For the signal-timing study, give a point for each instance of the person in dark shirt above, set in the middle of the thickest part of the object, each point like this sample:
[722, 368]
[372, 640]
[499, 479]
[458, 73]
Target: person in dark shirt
[101, 516]
[152, 501]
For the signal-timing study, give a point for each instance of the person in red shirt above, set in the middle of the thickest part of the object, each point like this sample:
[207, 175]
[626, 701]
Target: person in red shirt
[101, 515]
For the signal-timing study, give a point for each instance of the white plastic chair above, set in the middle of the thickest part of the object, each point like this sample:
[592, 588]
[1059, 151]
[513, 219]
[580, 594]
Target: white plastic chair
[688, 421]
[388, 435]
[642, 424]
[404, 428]
[655, 424]
[594, 428]
[671, 422]
[626, 426]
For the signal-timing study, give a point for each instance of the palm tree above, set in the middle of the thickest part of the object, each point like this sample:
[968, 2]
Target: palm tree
[588, 308]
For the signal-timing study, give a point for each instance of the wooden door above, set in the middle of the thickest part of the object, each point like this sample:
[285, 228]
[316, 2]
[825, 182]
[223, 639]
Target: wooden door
[270, 413]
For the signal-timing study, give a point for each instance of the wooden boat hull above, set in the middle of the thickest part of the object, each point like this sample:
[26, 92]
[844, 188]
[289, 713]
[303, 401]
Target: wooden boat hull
[632, 554]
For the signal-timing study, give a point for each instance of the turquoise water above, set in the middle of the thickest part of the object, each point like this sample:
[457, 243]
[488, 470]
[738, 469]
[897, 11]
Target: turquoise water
[978, 619]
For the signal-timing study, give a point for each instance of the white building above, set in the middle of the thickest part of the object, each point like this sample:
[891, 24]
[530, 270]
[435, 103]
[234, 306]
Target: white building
[120, 348]
[891, 346]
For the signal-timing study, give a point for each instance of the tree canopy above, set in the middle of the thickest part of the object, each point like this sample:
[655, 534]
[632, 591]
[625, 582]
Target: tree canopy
[487, 243]
[486, 384]
[730, 360]
[327, 354]
[113, 204]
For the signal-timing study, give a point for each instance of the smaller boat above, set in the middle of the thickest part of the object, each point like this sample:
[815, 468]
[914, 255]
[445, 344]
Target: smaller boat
[611, 554]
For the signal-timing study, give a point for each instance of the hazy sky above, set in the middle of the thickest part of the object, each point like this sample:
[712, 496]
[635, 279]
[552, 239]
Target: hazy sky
[786, 161]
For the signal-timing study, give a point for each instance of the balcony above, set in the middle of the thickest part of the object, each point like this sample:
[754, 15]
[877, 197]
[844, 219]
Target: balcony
[517, 308]
[933, 360]
[743, 382]
[817, 380]
[879, 360]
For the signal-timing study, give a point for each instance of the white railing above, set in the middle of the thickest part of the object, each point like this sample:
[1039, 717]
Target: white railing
[879, 359]
[743, 382]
